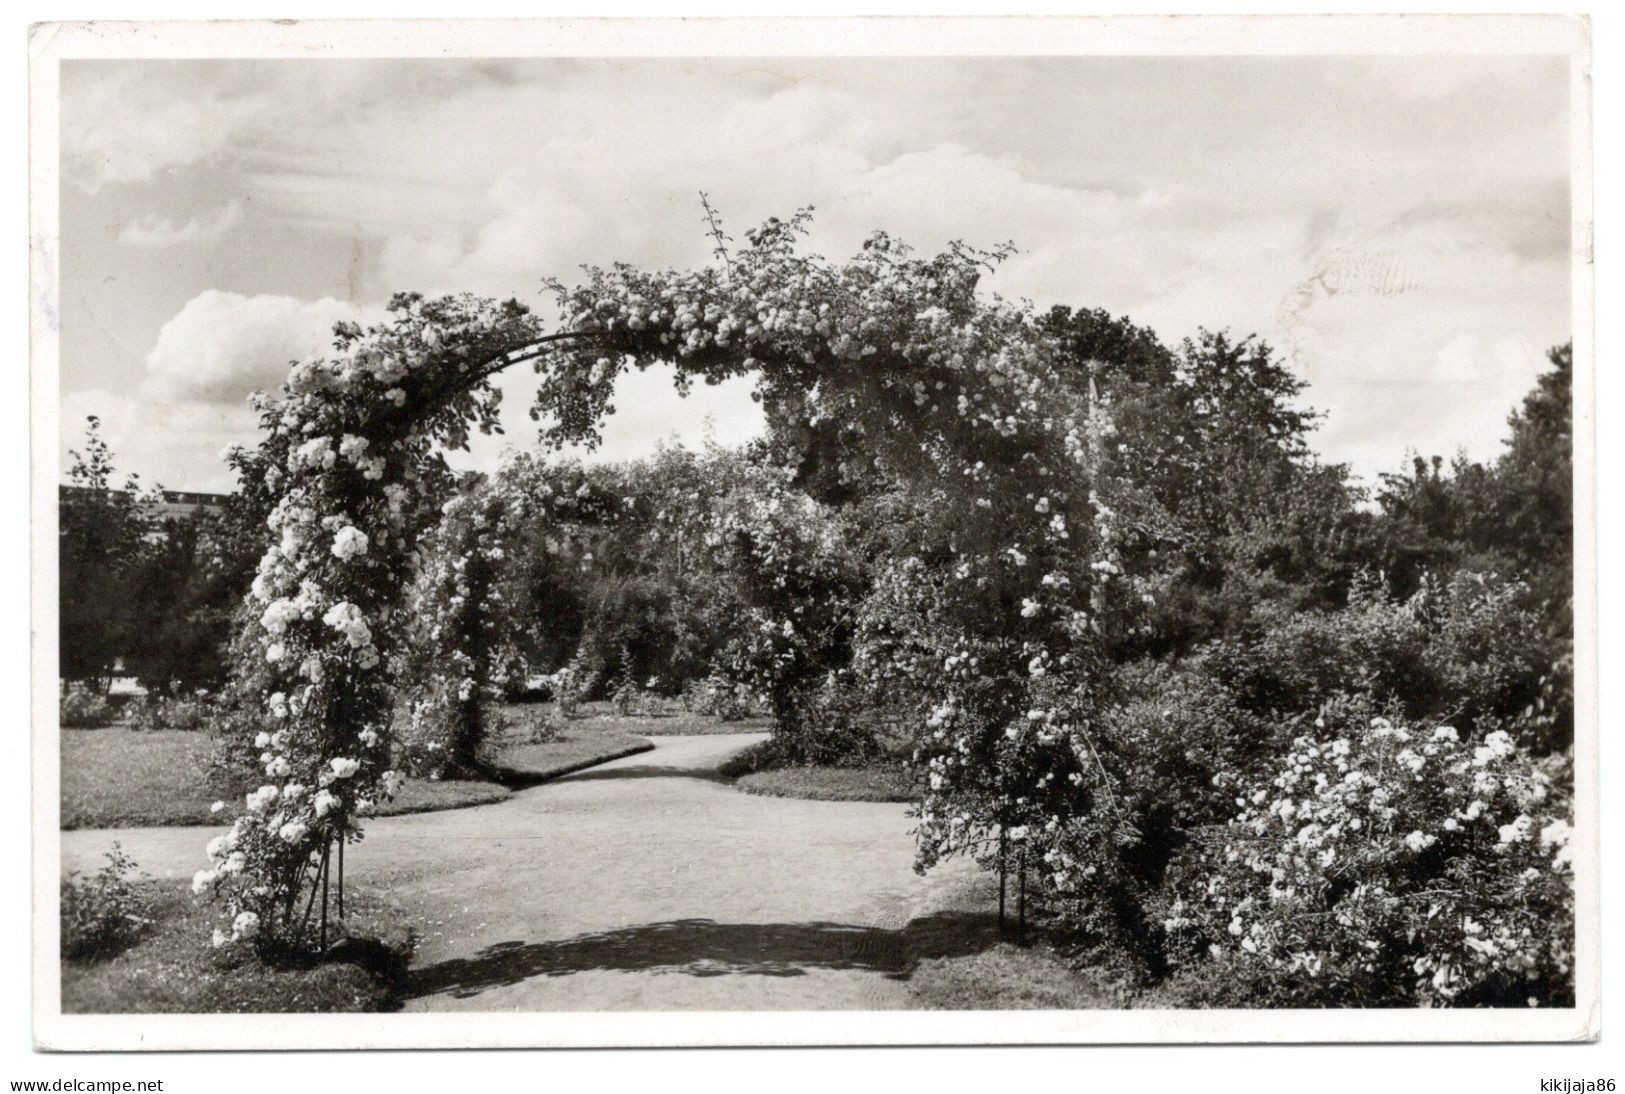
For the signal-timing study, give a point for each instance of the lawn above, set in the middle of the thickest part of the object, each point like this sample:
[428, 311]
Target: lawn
[1011, 977]
[116, 777]
[523, 764]
[120, 777]
[880, 783]
[763, 769]
[173, 969]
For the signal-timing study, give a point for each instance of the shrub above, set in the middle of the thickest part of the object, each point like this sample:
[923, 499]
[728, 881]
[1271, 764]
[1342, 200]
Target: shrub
[1167, 741]
[422, 741]
[422, 747]
[719, 697]
[103, 913]
[533, 727]
[1388, 863]
[1163, 746]
[156, 712]
[569, 686]
[1484, 655]
[627, 696]
[826, 725]
[1298, 660]
[1464, 650]
[83, 709]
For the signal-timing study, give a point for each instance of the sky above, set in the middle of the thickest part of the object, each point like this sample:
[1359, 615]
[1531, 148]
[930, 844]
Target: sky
[1399, 228]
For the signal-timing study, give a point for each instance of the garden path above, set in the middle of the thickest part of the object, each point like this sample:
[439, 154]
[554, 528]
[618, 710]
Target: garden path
[646, 883]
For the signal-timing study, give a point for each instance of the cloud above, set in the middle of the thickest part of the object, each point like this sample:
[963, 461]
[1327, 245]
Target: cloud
[171, 443]
[222, 346]
[133, 122]
[649, 413]
[191, 402]
[150, 231]
[1360, 213]
[120, 126]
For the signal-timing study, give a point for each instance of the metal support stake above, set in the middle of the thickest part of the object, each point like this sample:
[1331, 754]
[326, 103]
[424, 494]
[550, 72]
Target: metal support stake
[1001, 877]
[327, 852]
[315, 884]
[1021, 895]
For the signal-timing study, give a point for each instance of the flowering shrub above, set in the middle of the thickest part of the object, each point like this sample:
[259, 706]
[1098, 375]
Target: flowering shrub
[569, 685]
[155, 712]
[718, 697]
[1158, 751]
[85, 709]
[1389, 863]
[351, 450]
[792, 583]
[103, 913]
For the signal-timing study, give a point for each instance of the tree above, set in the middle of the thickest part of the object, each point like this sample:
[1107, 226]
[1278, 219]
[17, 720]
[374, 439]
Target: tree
[101, 542]
[1228, 510]
[1533, 506]
[1513, 517]
[1515, 513]
[184, 591]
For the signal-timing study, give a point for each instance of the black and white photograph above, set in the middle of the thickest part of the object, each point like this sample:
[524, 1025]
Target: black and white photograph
[564, 535]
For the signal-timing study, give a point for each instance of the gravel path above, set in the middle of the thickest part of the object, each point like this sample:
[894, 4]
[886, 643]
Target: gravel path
[645, 883]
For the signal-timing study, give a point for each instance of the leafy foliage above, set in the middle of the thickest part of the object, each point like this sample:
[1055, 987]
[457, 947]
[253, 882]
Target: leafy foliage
[157, 712]
[101, 535]
[102, 913]
[81, 708]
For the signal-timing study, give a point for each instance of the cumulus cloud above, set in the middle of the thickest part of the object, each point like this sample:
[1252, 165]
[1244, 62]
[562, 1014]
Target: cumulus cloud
[151, 231]
[222, 346]
[190, 403]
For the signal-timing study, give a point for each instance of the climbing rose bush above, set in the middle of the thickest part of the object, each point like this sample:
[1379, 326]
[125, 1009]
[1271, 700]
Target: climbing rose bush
[461, 652]
[351, 448]
[793, 579]
[963, 402]
[1385, 862]
[959, 398]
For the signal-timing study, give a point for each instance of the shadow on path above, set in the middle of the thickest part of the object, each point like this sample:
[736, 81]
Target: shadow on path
[647, 771]
[704, 947]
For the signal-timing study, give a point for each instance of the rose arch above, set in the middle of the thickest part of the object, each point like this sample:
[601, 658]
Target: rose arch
[989, 622]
